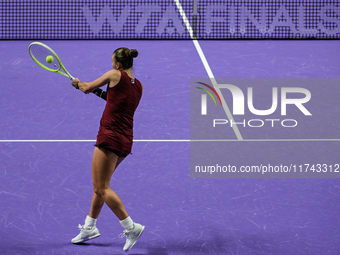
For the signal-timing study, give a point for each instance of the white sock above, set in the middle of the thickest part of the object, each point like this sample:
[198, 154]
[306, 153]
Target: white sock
[127, 223]
[90, 222]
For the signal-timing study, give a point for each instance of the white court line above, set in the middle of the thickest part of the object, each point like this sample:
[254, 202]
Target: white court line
[267, 140]
[88, 141]
[46, 141]
[207, 68]
[178, 140]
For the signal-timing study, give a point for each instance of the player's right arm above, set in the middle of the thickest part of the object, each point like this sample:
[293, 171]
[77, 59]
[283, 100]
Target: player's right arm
[112, 77]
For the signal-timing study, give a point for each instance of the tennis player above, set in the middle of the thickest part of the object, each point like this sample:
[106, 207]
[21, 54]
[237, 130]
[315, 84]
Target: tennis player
[114, 142]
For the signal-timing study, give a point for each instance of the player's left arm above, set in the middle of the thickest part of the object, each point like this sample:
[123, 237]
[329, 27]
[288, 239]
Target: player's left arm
[100, 93]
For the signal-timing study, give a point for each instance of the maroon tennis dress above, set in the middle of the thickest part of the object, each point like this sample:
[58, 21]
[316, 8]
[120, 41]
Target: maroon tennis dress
[116, 125]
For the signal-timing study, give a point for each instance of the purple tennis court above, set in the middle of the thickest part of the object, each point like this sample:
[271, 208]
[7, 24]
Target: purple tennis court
[45, 186]
[48, 132]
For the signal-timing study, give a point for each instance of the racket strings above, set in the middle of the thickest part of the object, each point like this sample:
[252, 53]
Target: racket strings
[40, 53]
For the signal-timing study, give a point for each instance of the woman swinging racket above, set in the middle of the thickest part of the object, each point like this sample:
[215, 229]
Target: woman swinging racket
[114, 142]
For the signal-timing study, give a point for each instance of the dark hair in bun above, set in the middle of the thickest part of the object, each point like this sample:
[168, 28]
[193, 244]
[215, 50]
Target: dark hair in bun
[133, 53]
[125, 57]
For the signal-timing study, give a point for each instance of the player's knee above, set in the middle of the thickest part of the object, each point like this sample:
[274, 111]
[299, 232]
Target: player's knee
[99, 191]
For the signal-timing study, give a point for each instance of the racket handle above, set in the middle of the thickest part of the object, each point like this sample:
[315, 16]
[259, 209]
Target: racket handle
[100, 93]
[72, 78]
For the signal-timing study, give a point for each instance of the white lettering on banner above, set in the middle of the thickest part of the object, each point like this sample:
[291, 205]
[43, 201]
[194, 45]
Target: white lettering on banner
[106, 15]
[146, 11]
[282, 12]
[169, 23]
[217, 17]
[170, 15]
[261, 26]
[212, 19]
[329, 19]
[236, 17]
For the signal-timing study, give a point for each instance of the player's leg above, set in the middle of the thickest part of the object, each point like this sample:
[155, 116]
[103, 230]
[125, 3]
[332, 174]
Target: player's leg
[103, 165]
[97, 201]
[89, 230]
[96, 206]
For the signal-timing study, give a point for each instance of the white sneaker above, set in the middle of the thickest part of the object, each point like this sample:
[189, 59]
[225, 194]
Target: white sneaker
[86, 233]
[132, 236]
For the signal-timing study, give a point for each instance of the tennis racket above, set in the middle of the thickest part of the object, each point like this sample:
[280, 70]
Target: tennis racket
[41, 53]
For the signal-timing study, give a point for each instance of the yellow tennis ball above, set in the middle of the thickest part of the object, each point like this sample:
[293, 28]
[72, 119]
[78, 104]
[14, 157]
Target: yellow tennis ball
[49, 59]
